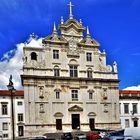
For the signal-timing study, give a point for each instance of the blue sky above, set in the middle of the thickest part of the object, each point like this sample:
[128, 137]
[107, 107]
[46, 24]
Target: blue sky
[115, 24]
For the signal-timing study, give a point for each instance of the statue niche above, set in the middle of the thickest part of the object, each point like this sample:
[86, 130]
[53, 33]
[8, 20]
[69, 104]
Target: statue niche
[41, 92]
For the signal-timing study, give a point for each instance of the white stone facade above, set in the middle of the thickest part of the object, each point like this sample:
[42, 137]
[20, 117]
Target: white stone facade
[5, 114]
[130, 108]
[67, 83]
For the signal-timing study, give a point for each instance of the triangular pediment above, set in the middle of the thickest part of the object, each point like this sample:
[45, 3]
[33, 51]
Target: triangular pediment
[75, 108]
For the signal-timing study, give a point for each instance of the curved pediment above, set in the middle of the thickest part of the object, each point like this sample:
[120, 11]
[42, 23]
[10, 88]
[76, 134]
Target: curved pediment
[58, 114]
[91, 114]
[75, 108]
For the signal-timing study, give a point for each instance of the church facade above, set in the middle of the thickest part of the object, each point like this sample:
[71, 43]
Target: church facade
[67, 83]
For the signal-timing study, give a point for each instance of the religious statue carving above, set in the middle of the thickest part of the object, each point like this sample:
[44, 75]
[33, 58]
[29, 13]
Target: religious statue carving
[42, 108]
[41, 92]
[115, 67]
[104, 94]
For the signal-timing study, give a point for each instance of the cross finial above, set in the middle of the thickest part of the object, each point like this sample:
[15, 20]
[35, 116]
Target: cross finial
[70, 15]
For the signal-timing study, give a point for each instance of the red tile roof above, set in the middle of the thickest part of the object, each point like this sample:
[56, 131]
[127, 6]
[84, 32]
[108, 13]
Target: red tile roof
[129, 92]
[7, 93]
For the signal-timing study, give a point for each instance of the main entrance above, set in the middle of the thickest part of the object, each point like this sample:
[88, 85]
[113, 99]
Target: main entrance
[75, 121]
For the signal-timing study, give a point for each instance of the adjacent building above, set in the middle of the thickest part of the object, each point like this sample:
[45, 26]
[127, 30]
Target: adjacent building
[5, 114]
[130, 108]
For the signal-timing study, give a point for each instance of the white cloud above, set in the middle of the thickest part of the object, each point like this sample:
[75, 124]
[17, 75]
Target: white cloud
[11, 64]
[133, 88]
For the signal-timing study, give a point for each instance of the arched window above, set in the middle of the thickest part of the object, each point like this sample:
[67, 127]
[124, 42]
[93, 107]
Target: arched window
[89, 73]
[57, 93]
[33, 56]
[73, 68]
[56, 71]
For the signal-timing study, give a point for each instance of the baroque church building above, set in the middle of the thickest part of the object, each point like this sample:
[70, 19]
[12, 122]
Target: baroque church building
[67, 83]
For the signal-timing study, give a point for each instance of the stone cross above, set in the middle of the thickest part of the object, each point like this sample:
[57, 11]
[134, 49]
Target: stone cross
[70, 5]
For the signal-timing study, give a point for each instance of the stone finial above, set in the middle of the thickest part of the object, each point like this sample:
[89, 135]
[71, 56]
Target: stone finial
[54, 34]
[88, 34]
[104, 52]
[81, 21]
[54, 27]
[33, 36]
[88, 31]
[115, 67]
[70, 15]
[62, 20]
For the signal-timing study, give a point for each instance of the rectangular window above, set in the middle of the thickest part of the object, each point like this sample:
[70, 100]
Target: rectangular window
[134, 108]
[19, 103]
[89, 56]
[56, 54]
[56, 72]
[57, 94]
[5, 135]
[4, 126]
[126, 123]
[74, 95]
[90, 95]
[20, 117]
[126, 108]
[73, 71]
[4, 109]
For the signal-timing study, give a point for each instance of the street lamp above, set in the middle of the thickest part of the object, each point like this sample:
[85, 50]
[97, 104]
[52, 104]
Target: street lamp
[12, 92]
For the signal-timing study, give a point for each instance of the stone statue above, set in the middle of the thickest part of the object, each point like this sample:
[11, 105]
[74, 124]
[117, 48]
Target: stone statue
[24, 60]
[115, 67]
[41, 92]
[10, 81]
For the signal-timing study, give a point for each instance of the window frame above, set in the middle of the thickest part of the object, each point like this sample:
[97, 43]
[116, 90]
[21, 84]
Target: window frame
[20, 117]
[4, 126]
[90, 95]
[56, 72]
[34, 56]
[135, 108]
[19, 103]
[89, 56]
[55, 54]
[127, 123]
[74, 95]
[126, 110]
[89, 73]
[57, 95]
[4, 109]
[73, 69]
